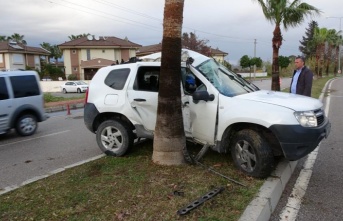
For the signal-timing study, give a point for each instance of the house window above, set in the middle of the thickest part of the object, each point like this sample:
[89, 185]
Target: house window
[37, 61]
[75, 69]
[88, 54]
[73, 51]
[18, 59]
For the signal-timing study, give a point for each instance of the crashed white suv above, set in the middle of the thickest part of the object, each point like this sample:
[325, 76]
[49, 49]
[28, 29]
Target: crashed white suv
[220, 110]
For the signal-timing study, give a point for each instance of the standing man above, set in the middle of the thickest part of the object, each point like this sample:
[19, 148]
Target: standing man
[302, 78]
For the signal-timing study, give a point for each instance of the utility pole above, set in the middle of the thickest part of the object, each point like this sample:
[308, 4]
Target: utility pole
[339, 46]
[254, 57]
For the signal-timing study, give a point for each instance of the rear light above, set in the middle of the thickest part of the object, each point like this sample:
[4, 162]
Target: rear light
[86, 97]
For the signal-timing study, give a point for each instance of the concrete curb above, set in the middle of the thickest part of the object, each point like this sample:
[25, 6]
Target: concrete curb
[263, 205]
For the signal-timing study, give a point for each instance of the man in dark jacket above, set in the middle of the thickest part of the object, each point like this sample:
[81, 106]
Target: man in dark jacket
[302, 78]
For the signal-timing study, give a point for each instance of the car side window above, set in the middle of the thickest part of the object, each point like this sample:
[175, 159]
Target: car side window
[190, 82]
[3, 89]
[116, 79]
[24, 86]
[147, 79]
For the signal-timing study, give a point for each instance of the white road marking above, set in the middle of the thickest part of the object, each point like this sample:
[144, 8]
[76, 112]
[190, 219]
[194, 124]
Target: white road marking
[34, 138]
[290, 211]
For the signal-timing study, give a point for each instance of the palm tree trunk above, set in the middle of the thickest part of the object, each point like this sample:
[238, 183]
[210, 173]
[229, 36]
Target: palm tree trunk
[169, 137]
[277, 41]
[336, 61]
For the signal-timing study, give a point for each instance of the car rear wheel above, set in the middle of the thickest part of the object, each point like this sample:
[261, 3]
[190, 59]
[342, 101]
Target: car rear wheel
[64, 91]
[252, 154]
[26, 125]
[114, 137]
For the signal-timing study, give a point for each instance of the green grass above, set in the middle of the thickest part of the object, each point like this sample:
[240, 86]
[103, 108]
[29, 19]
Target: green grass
[132, 188]
[48, 97]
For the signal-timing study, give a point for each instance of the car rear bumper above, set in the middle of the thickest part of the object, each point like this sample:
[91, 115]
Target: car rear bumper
[297, 141]
[90, 112]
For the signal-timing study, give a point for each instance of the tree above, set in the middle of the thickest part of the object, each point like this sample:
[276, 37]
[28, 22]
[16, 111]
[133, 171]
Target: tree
[54, 50]
[3, 38]
[192, 42]
[247, 62]
[288, 14]
[169, 136]
[307, 49]
[320, 37]
[284, 61]
[73, 37]
[18, 38]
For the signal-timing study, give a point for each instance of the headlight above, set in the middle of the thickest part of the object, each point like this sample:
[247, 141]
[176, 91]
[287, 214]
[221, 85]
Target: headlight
[306, 118]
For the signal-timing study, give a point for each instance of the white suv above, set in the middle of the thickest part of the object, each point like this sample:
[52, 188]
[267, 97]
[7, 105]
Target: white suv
[220, 110]
[21, 102]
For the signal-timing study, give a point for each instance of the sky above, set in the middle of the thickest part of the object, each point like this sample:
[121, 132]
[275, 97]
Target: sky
[231, 26]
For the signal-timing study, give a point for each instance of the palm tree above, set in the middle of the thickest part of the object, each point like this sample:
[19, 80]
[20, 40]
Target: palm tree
[47, 46]
[320, 38]
[282, 12]
[331, 38]
[73, 37]
[169, 136]
[18, 38]
[3, 38]
[337, 42]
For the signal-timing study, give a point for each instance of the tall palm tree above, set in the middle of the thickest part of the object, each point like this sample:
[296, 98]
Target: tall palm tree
[18, 38]
[320, 38]
[331, 38]
[47, 46]
[337, 42]
[288, 14]
[169, 136]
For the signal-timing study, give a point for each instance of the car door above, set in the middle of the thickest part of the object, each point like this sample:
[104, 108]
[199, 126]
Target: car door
[5, 105]
[199, 116]
[143, 96]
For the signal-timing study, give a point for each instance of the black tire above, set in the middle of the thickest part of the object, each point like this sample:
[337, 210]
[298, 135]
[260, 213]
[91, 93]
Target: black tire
[252, 154]
[64, 91]
[114, 137]
[26, 125]
[79, 90]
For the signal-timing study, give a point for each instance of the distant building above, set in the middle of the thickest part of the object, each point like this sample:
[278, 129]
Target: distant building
[217, 54]
[17, 56]
[84, 56]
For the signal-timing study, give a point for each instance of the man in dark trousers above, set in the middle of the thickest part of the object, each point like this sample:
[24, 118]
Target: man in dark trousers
[302, 78]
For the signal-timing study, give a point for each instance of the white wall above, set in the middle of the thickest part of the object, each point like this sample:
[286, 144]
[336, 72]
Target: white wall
[53, 86]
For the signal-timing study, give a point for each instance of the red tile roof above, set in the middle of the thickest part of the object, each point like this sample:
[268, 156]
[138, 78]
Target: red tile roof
[5, 47]
[107, 42]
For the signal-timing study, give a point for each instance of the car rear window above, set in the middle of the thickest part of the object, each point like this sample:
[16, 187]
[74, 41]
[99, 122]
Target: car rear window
[116, 78]
[24, 86]
[3, 89]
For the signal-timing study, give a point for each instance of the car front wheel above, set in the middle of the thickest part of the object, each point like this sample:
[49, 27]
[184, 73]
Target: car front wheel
[78, 90]
[114, 137]
[252, 154]
[26, 125]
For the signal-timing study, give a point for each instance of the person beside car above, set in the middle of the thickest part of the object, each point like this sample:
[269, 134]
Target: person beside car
[302, 78]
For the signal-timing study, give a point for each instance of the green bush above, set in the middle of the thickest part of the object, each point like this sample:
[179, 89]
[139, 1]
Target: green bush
[72, 77]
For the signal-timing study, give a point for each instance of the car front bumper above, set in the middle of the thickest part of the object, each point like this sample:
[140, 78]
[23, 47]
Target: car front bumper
[297, 141]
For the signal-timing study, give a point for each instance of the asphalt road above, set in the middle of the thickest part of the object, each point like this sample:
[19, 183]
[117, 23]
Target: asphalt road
[323, 198]
[59, 141]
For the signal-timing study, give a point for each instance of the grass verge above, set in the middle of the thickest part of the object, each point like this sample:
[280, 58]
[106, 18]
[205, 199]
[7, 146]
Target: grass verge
[132, 188]
[48, 97]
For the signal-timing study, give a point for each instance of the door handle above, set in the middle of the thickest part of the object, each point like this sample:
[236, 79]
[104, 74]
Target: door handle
[139, 99]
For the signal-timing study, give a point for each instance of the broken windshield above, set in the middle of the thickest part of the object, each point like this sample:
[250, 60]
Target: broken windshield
[226, 82]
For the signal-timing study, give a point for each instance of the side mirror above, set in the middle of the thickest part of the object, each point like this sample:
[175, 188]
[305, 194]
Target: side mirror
[202, 96]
